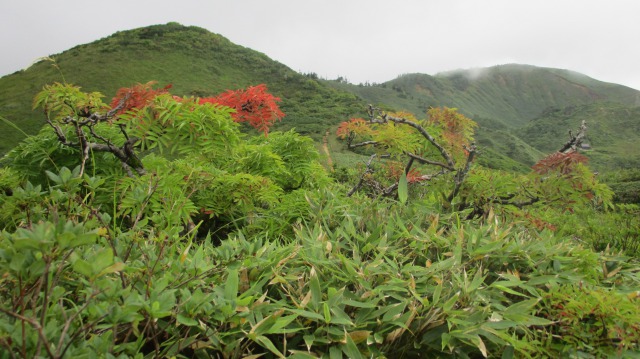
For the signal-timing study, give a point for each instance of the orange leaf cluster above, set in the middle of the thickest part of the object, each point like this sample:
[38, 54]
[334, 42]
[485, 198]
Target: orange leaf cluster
[457, 129]
[564, 163]
[137, 96]
[394, 171]
[356, 125]
[254, 105]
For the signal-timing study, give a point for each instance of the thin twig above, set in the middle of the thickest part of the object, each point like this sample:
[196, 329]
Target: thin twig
[462, 174]
[367, 171]
[575, 141]
[429, 162]
[34, 323]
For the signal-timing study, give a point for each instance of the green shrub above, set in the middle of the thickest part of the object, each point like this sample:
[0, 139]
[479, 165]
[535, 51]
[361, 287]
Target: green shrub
[592, 321]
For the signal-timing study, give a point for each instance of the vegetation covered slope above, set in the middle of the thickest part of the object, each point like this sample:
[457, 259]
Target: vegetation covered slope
[509, 94]
[153, 227]
[199, 63]
[195, 61]
[613, 135]
[503, 98]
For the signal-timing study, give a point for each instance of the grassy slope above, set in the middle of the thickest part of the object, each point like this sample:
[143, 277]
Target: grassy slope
[613, 131]
[508, 94]
[504, 98]
[195, 61]
[200, 63]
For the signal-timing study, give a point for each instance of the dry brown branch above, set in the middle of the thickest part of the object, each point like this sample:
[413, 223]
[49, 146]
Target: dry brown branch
[367, 170]
[575, 140]
[462, 174]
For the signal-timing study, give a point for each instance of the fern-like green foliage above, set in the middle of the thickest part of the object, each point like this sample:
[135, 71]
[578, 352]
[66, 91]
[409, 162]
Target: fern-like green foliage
[60, 101]
[299, 156]
[195, 162]
[181, 126]
[242, 246]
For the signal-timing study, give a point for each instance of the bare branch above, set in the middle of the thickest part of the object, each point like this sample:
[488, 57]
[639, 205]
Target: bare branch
[61, 137]
[575, 141]
[366, 171]
[126, 153]
[389, 190]
[430, 162]
[462, 174]
[520, 205]
[362, 144]
[34, 323]
[407, 168]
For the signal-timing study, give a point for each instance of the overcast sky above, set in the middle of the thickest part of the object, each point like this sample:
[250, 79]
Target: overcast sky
[361, 40]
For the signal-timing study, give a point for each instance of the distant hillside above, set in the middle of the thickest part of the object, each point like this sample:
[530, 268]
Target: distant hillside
[194, 60]
[508, 94]
[503, 99]
[613, 132]
[519, 108]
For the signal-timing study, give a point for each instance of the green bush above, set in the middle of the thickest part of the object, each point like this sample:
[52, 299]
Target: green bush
[244, 247]
[592, 321]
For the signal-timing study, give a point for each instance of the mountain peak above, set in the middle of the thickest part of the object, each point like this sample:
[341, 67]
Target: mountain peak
[511, 93]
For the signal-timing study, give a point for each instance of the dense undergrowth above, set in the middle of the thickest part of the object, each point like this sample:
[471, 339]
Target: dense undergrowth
[244, 246]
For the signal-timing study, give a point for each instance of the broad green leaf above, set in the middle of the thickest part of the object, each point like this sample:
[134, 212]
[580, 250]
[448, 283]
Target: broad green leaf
[335, 352]
[340, 317]
[265, 342]
[54, 177]
[351, 349]
[403, 192]
[263, 326]
[116, 267]
[281, 325]
[436, 294]
[299, 354]
[102, 260]
[307, 314]
[448, 305]
[83, 267]
[314, 287]
[308, 340]
[327, 312]
[508, 290]
[231, 285]
[190, 322]
[478, 279]
[394, 312]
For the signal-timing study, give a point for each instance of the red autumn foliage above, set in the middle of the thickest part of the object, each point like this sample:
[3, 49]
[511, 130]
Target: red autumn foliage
[457, 129]
[414, 176]
[353, 125]
[253, 105]
[137, 96]
[564, 163]
[394, 170]
[536, 222]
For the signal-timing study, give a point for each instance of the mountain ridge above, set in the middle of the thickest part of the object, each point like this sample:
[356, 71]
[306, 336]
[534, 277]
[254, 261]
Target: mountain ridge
[196, 62]
[512, 94]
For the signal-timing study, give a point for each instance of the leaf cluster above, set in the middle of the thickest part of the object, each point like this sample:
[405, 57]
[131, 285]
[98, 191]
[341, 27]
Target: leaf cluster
[230, 245]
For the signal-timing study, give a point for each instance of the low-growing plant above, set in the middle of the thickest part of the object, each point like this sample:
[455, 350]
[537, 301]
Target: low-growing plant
[173, 234]
[591, 321]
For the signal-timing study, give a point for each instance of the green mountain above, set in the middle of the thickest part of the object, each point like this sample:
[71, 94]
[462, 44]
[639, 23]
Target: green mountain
[510, 95]
[507, 101]
[502, 99]
[194, 60]
[613, 132]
